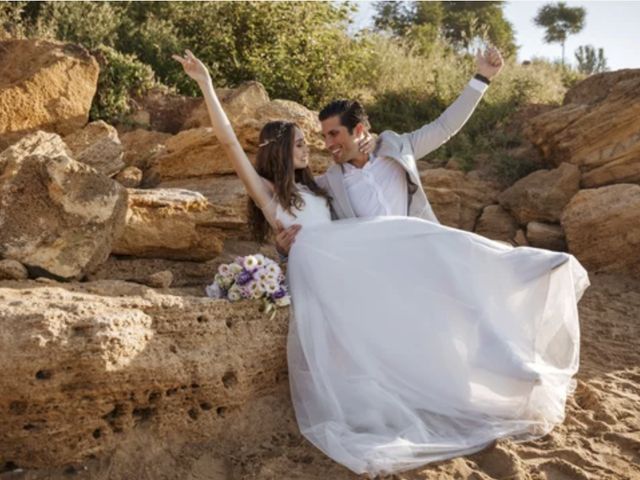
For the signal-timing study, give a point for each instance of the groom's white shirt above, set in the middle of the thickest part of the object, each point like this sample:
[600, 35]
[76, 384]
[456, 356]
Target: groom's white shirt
[389, 183]
[378, 188]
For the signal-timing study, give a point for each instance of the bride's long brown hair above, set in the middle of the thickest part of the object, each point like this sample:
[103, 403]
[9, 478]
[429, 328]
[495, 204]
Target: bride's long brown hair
[275, 163]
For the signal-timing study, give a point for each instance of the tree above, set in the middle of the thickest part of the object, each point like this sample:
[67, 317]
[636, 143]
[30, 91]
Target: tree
[589, 61]
[560, 21]
[462, 23]
[393, 16]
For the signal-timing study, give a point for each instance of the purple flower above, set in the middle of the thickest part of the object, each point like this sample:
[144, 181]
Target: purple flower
[279, 293]
[244, 277]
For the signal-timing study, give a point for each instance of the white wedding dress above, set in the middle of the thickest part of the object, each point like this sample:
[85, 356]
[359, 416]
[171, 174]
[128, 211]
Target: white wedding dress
[412, 342]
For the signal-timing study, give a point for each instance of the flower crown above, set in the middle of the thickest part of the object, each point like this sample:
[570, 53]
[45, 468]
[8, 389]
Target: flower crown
[277, 136]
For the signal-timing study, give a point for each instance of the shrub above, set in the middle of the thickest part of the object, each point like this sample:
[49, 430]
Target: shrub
[121, 77]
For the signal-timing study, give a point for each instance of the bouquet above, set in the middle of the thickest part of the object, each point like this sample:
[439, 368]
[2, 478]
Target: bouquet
[251, 277]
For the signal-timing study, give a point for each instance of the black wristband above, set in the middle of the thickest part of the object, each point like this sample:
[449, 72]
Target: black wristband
[482, 78]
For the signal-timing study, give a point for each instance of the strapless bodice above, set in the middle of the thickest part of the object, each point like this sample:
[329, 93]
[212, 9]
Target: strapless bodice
[314, 212]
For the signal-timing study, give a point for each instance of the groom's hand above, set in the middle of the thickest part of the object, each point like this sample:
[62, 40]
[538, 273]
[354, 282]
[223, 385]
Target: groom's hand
[285, 237]
[489, 63]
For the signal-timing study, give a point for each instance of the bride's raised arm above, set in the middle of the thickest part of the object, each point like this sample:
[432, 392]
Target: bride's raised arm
[258, 188]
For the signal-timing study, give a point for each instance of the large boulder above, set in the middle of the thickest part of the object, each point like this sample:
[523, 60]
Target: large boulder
[497, 224]
[546, 235]
[56, 214]
[238, 103]
[190, 153]
[44, 85]
[172, 223]
[86, 366]
[457, 199]
[542, 195]
[596, 129]
[602, 227]
[226, 193]
[97, 145]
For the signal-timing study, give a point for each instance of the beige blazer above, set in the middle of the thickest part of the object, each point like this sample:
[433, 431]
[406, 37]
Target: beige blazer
[405, 149]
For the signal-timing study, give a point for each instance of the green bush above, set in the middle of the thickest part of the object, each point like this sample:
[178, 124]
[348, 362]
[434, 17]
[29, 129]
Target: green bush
[408, 87]
[121, 77]
[299, 51]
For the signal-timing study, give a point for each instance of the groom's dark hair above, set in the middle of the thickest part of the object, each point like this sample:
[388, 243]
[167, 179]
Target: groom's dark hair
[351, 113]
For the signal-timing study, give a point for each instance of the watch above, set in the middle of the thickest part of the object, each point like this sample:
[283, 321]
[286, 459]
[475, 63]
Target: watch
[482, 78]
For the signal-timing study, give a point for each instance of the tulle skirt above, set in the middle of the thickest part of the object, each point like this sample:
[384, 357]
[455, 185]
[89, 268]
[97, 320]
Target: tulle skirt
[412, 342]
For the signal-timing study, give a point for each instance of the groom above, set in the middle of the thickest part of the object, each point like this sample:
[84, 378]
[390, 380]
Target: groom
[387, 181]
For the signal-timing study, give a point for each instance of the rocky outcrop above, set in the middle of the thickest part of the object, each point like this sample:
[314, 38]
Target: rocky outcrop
[140, 146]
[457, 200]
[542, 195]
[44, 85]
[188, 274]
[56, 215]
[602, 226]
[172, 223]
[597, 129]
[98, 146]
[226, 194]
[89, 364]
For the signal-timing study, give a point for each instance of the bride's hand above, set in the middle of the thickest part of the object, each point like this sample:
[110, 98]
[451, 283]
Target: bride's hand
[367, 143]
[193, 67]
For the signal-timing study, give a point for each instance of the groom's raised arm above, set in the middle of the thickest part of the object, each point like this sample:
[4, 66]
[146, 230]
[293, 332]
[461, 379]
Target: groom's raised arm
[432, 135]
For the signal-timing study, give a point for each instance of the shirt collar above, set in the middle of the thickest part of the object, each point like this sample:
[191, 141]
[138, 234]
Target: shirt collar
[350, 169]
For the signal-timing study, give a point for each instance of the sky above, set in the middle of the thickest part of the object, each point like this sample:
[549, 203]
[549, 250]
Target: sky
[611, 25]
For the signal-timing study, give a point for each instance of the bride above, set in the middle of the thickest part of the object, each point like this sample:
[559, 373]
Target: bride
[409, 341]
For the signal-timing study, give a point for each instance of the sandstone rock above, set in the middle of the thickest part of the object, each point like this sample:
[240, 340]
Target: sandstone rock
[129, 177]
[12, 270]
[542, 194]
[496, 223]
[226, 193]
[546, 235]
[47, 280]
[520, 239]
[185, 273]
[238, 103]
[44, 85]
[162, 110]
[98, 146]
[88, 365]
[56, 214]
[142, 145]
[174, 224]
[190, 153]
[162, 279]
[456, 199]
[602, 227]
[598, 129]
[596, 88]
